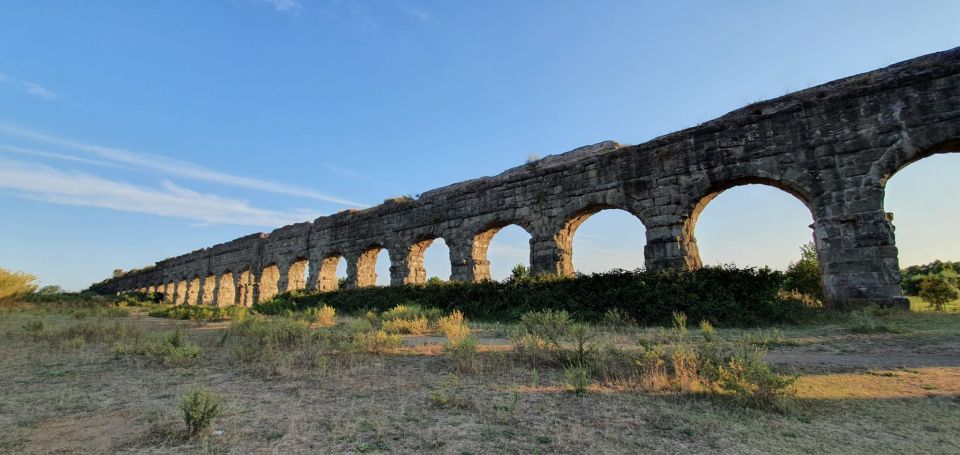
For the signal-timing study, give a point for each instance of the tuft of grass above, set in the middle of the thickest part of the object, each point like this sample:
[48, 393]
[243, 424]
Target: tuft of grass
[706, 329]
[200, 408]
[199, 313]
[872, 320]
[413, 326]
[172, 349]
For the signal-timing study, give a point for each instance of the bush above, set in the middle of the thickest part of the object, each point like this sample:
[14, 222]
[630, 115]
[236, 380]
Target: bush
[200, 408]
[743, 373]
[325, 316]
[548, 325]
[803, 276]
[199, 313]
[15, 285]
[414, 326]
[376, 342]
[722, 295]
[578, 378]
[454, 327]
[937, 292]
[172, 349]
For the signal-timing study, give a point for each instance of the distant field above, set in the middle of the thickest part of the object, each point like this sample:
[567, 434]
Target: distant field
[917, 304]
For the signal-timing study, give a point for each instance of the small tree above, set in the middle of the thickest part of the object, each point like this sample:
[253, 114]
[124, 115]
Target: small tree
[803, 276]
[937, 292]
[519, 274]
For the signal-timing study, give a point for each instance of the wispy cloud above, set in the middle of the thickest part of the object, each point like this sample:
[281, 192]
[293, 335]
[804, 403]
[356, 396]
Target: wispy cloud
[419, 14]
[284, 6]
[172, 167]
[44, 183]
[32, 88]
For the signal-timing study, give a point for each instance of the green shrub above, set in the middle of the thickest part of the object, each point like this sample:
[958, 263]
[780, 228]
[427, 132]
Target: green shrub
[200, 408]
[172, 349]
[34, 326]
[549, 325]
[199, 313]
[742, 372]
[376, 342]
[723, 295]
[578, 378]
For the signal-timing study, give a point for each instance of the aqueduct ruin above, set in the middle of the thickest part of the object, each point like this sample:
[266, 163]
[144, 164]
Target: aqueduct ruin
[833, 147]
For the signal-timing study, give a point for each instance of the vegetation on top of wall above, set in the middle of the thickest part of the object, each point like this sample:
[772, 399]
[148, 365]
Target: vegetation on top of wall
[724, 295]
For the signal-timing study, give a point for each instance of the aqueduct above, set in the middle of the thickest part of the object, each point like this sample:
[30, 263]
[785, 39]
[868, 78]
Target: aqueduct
[833, 147]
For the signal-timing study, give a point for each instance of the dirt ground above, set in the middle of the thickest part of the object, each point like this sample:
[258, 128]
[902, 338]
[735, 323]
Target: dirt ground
[889, 392]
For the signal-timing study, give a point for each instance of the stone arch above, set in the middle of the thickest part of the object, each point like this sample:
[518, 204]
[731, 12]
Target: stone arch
[366, 273]
[193, 290]
[209, 290]
[935, 162]
[169, 292]
[327, 272]
[704, 197]
[226, 290]
[246, 288]
[480, 247]
[897, 158]
[180, 292]
[269, 282]
[297, 274]
[572, 220]
[408, 266]
[565, 237]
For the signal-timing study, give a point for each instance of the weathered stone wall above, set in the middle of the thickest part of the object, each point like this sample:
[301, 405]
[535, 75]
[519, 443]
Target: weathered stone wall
[833, 147]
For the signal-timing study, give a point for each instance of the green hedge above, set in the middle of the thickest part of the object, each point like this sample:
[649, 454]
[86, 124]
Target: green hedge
[722, 295]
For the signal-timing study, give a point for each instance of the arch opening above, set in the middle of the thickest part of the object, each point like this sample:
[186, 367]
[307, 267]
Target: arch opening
[498, 250]
[209, 289]
[180, 292]
[429, 260]
[602, 238]
[297, 274]
[383, 268]
[269, 282]
[750, 223]
[226, 290]
[193, 291]
[245, 288]
[920, 198]
[331, 272]
[367, 266]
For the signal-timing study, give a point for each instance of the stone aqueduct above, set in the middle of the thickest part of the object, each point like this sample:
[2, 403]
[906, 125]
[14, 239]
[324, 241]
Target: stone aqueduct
[833, 147]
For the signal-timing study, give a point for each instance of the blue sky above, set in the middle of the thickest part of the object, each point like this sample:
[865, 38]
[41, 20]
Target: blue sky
[134, 131]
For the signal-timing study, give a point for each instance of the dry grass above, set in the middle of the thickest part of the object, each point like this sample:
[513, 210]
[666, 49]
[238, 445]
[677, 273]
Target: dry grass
[62, 395]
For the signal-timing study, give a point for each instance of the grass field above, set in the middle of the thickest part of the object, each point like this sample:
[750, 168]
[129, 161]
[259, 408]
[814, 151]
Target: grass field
[917, 304]
[111, 381]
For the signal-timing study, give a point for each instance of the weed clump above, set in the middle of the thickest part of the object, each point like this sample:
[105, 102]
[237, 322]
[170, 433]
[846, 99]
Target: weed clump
[171, 349]
[200, 408]
[199, 313]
